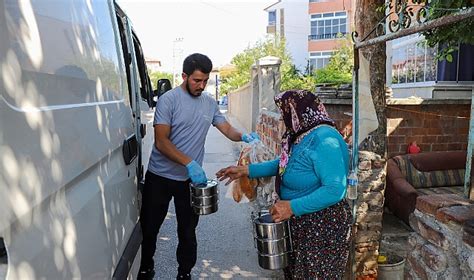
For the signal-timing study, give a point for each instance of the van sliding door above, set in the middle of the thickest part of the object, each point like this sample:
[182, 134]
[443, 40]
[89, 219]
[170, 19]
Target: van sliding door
[132, 149]
[132, 145]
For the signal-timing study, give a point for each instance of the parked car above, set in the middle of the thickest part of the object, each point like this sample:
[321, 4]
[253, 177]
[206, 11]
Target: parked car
[223, 100]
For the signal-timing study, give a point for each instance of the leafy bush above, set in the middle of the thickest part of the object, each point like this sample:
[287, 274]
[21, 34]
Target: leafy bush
[449, 36]
[291, 78]
[339, 69]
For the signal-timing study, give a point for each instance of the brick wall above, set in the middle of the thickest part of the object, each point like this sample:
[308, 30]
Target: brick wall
[438, 125]
[271, 128]
[341, 112]
[435, 127]
[442, 245]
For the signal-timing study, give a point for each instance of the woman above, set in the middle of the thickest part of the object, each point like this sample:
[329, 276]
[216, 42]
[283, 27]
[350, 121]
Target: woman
[311, 181]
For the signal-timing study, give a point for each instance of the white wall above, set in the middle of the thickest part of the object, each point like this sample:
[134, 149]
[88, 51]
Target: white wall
[240, 105]
[296, 29]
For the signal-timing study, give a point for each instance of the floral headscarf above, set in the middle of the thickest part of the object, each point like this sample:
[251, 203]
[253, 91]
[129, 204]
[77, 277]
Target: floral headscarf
[301, 111]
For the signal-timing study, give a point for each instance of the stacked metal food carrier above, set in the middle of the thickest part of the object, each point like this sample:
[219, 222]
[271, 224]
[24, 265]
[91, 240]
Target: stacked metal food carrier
[273, 241]
[205, 197]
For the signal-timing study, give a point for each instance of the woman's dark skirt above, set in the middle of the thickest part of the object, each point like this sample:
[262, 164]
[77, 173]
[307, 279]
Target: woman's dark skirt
[321, 243]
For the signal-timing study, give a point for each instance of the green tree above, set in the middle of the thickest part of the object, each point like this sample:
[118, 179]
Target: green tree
[339, 69]
[291, 78]
[155, 76]
[452, 35]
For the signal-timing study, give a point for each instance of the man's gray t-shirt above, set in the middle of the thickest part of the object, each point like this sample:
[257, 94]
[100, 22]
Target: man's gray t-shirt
[189, 118]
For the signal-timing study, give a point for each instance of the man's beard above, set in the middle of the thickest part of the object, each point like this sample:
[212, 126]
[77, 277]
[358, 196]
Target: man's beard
[189, 90]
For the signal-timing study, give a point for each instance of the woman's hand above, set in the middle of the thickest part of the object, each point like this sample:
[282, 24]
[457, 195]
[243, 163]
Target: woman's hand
[232, 173]
[281, 210]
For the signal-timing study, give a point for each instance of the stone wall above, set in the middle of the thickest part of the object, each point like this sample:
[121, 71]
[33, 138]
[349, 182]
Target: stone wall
[442, 246]
[369, 211]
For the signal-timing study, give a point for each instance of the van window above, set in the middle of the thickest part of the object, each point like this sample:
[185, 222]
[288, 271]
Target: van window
[126, 59]
[67, 55]
[145, 86]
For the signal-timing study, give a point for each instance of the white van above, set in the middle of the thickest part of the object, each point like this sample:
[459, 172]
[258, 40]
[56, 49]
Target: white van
[74, 101]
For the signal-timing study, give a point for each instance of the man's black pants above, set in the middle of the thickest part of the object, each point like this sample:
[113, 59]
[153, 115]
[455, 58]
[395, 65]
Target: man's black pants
[157, 194]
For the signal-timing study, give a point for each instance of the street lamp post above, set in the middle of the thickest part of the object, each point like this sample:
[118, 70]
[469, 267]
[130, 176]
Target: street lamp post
[177, 52]
[217, 89]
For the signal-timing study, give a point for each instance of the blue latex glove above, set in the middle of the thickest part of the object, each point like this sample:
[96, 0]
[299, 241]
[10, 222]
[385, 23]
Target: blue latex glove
[250, 137]
[196, 173]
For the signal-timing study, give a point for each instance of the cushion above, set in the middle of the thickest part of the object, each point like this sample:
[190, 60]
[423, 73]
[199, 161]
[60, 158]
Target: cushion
[443, 178]
[459, 190]
[435, 178]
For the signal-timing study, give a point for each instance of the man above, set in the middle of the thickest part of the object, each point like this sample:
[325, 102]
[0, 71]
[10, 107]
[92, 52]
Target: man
[183, 116]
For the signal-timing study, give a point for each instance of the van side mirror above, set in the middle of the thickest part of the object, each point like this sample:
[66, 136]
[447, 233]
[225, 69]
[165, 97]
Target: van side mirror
[162, 86]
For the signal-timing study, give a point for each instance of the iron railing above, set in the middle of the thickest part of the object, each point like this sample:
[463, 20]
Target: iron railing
[326, 36]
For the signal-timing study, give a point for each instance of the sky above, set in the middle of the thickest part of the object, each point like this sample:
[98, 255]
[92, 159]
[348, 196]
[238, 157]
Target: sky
[171, 30]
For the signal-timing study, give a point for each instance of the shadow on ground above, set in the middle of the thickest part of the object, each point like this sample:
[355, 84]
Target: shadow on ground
[394, 235]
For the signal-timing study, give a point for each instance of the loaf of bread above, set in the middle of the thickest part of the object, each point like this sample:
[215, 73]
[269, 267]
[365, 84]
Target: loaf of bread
[236, 191]
[244, 185]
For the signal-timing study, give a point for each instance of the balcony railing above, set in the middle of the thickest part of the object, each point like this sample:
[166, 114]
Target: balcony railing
[326, 36]
[271, 29]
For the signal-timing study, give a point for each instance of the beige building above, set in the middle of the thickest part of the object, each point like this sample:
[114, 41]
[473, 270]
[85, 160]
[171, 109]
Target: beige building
[153, 65]
[311, 28]
[328, 21]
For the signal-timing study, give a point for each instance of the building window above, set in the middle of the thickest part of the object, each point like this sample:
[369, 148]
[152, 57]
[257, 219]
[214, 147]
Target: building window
[272, 18]
[461, 69]
[328, 25]
[318, 60]
[413, 61]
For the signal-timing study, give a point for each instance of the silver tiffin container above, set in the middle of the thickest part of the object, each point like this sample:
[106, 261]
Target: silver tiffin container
[273, 242]
[266, 228]
[279, 261]
[205, 198]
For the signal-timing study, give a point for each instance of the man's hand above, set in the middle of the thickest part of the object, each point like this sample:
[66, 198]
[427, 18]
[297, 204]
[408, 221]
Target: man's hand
[249, 137]
[196, 173]
[281, 211]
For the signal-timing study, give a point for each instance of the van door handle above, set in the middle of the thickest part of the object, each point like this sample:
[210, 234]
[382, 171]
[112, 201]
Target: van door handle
[130, 149]
[143, 130]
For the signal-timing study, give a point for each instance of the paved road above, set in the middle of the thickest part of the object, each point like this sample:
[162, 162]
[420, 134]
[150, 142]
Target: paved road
[225, 244]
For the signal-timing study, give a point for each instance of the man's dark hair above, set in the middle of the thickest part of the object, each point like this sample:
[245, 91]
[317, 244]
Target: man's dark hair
[197, 61]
